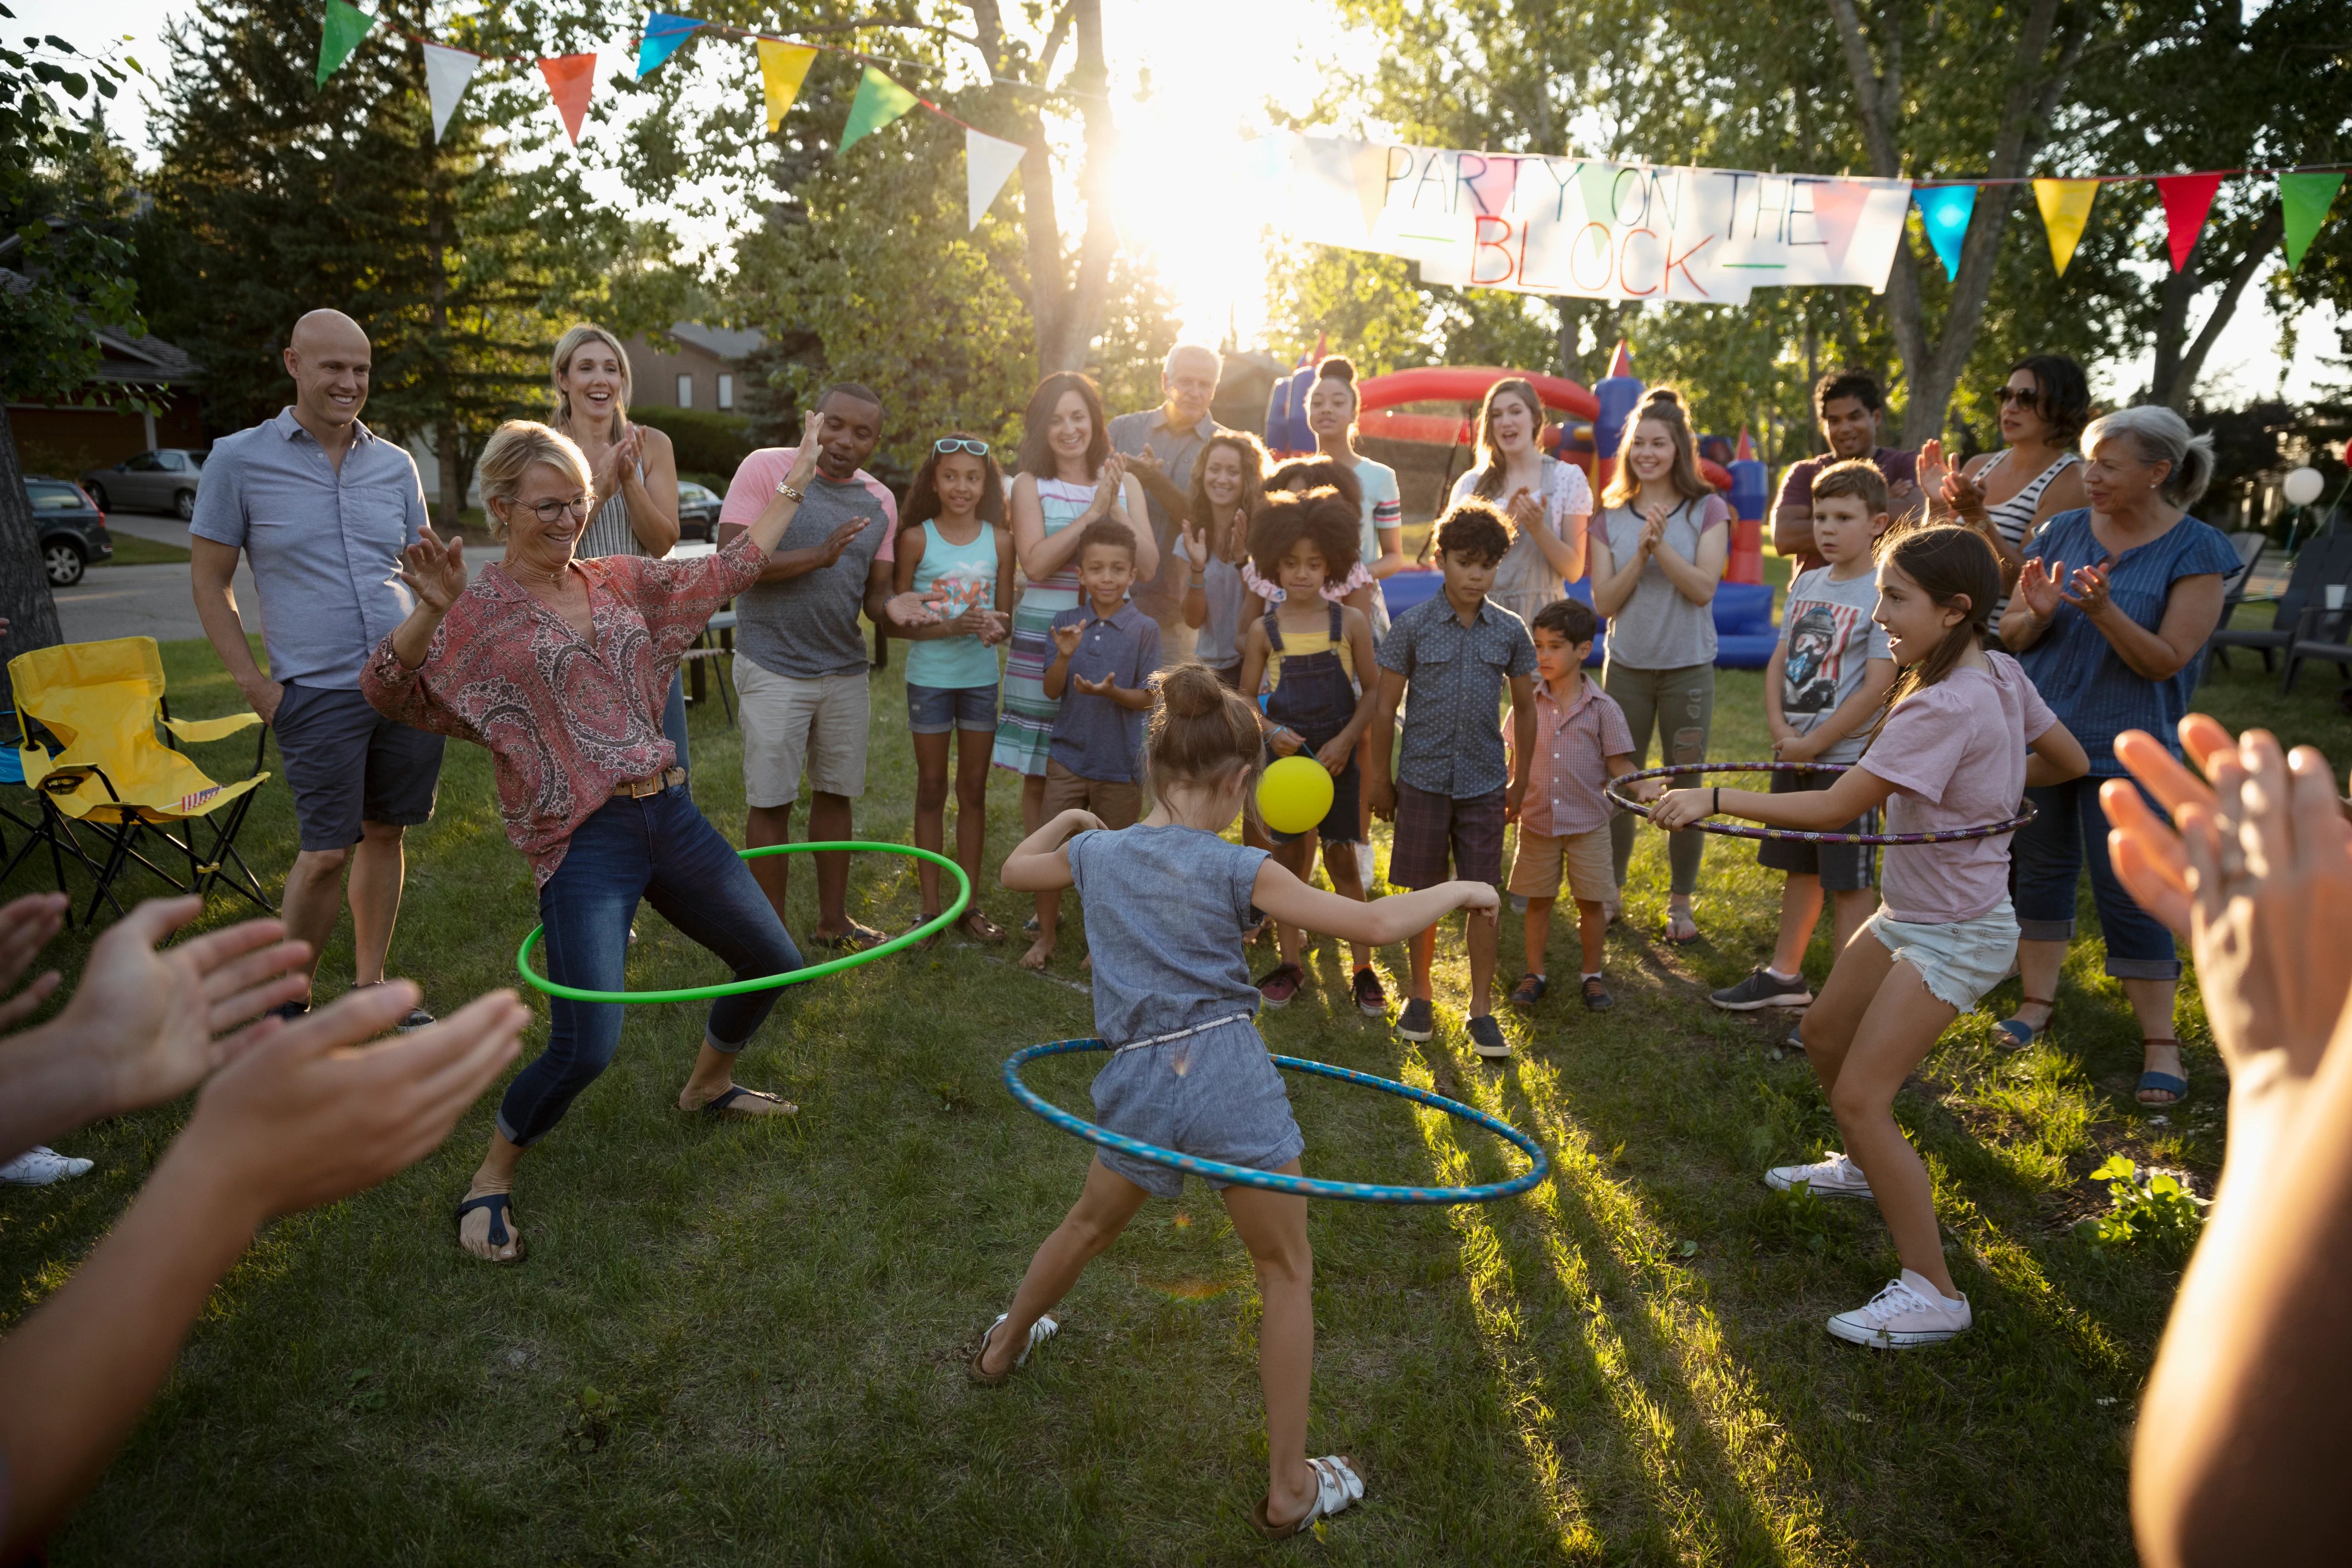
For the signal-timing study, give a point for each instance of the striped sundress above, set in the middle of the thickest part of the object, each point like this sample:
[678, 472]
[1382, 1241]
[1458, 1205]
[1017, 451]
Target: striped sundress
[2013, 519]
[1025, 729]
[608, 531]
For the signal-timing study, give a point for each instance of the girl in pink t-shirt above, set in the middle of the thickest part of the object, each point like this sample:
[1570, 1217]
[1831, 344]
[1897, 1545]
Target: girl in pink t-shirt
[1964, 734]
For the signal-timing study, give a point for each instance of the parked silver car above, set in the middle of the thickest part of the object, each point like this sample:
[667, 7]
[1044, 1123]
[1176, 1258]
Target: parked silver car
[165, 480]
[697, 511]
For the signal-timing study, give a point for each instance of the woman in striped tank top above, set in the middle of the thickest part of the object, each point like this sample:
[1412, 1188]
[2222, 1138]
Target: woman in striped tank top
[2008, 495]
[632, 465]
[1070, 477]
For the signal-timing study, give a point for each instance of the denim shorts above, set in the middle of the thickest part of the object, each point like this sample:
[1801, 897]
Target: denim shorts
[1957, 963]
[936, 710]
[1216, 1095]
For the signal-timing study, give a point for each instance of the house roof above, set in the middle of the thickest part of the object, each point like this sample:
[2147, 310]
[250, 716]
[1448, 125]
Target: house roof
[720, 342]
[145, 359]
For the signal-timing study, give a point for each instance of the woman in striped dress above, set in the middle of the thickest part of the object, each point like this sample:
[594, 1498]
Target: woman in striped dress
[1070, 477]
[632, 465]
[2008, 495]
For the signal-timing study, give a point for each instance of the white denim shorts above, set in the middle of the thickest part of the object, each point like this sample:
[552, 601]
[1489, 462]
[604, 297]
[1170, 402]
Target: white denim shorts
[1957, 963]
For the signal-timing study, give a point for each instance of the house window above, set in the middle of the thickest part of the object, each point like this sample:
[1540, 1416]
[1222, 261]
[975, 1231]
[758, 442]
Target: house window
[685, 392]
[726, 391]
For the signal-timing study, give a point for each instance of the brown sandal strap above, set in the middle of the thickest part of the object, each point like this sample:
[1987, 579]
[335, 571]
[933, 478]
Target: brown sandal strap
[2148, 1041]
[2037, 1001]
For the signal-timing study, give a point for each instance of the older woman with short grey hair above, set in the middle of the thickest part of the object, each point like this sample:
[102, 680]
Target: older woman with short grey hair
[2110, 616]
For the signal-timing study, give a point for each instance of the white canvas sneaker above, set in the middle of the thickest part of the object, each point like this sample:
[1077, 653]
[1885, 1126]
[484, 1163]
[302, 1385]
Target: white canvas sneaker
[1834, 1177]
[39, 1165]
[1909, 1313]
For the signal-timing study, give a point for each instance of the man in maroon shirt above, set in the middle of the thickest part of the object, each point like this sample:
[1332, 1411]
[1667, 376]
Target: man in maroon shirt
[1849, 405]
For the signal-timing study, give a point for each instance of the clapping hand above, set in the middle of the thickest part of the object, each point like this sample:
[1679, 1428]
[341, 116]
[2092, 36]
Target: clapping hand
[27, 924]
[1525, 511]
[805, 456]
[1106, 686]
[910, 609]
[1109, 499]
[977, 622]
[830, 551]
[1066, 642]
[2259, 880]
[1196, 546]
[2038, 586]
[2088, 586]
[435, 572]
[1653, 529]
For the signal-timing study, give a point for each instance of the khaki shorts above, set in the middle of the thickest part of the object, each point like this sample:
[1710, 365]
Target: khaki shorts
[790, 723]
[1118, 804]
[1536, 865]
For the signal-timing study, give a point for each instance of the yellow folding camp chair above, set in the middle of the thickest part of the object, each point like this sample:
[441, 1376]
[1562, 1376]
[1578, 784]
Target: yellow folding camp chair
[100, 702]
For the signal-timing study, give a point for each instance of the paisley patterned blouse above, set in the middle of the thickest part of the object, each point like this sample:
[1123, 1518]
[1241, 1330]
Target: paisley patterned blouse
[565, 720]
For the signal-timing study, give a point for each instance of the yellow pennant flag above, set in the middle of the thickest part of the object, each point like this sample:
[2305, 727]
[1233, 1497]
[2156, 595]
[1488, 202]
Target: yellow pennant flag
[783, 68]
[2065, 213]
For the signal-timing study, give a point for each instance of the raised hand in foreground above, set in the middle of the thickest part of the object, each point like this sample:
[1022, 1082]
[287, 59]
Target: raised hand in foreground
[304, 1116]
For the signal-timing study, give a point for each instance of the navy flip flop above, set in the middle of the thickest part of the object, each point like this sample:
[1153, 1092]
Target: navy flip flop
[499, 1205]
[2021, 1033]
[2173, 1084]
[719, 1107]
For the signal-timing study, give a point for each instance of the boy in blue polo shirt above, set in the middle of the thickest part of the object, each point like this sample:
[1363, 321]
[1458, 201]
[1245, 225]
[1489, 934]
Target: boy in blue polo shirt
[1104, 654]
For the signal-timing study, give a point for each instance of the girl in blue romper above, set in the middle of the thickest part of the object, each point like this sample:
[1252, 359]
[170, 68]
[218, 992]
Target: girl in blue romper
[1317, 656]
[1166, 902]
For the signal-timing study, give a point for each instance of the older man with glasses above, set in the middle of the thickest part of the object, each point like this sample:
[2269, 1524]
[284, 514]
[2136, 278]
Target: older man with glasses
[1160, 444]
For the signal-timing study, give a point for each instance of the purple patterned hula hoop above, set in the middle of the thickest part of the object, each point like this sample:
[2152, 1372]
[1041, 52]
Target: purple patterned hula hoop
[1742, 830]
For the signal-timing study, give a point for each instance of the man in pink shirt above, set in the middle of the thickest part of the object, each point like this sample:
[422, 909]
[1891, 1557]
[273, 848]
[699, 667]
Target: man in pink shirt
[1581, 743]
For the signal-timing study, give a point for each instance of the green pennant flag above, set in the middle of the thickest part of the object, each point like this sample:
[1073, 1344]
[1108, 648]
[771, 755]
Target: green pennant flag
[879, 101]
[2304, 199]
[346, 25]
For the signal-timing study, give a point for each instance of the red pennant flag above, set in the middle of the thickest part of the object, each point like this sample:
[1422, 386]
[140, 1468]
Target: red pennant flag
[2187, 199]
[570, 79]
[1622, 365]
[1746, 451]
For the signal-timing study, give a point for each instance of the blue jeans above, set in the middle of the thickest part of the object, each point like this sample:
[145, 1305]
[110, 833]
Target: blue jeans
[663, 851]
[2048, 855]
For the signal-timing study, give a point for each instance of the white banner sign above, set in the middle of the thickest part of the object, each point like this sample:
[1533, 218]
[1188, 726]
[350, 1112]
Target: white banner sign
[1537, 224]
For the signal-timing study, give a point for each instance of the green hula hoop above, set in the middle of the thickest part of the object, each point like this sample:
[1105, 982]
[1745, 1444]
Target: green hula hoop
[792, 977]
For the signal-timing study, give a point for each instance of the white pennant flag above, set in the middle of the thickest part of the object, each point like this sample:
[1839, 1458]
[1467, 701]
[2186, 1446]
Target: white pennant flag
[987, 163]
[446, 73]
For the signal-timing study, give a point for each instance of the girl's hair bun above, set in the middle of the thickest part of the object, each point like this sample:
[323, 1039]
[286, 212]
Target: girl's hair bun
[1192, 691]
[1662, 394]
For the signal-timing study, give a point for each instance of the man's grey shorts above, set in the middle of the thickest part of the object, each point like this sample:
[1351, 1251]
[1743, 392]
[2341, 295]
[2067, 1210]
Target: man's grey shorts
[348, 764]
[1215, 1094]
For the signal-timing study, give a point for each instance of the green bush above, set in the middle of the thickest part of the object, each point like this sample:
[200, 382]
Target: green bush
[2154, 1208]
[707, 443]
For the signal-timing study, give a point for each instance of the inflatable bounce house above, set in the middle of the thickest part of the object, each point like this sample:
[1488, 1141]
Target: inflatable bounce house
[1396, 417]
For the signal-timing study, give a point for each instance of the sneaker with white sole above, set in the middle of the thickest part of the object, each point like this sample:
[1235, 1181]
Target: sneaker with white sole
[1909, 1313]
[1762, 989]
[1834, 1177]
[1418, 1021]
[39, 1165]
[1486, 1039]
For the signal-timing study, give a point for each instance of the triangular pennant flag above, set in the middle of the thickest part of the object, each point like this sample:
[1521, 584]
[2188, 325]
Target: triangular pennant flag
[782, 67]
[879, 101]
[1944, 210]
[1597, 184]
[2065, 211]
[1622, 363]
[570, 79]
[2304, 199]
[1837, 213]
[447, 73]
[664, 32]
[987, 163]
[1369, 165]
[346, 25]
[2187, 199]
[1746, 451]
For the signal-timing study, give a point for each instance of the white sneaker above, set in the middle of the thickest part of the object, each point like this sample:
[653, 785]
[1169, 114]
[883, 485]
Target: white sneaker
[39, 1165]
[1909, 1312]
[1835, 1177]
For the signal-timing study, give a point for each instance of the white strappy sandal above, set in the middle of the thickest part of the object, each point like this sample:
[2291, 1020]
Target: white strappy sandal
[1041, 1330]
[1337, 1487]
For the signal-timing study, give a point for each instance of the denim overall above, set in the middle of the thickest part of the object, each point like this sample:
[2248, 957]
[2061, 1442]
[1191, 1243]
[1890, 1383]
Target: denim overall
[1315, 699]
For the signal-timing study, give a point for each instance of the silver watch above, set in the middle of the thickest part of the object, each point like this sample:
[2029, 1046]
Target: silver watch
[784, 488]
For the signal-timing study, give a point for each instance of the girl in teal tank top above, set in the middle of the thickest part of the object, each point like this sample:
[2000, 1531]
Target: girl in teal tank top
[955, 554]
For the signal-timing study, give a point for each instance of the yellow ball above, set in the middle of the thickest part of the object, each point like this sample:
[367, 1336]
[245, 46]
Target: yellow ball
[1294, 795]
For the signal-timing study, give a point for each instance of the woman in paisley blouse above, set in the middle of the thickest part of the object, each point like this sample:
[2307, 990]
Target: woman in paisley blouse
[558, 667]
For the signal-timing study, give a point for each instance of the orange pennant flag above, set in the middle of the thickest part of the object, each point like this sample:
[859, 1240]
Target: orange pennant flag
[570, 79]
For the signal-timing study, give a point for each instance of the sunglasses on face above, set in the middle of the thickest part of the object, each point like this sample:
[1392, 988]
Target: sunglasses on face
[977, 448]
[2024, 396]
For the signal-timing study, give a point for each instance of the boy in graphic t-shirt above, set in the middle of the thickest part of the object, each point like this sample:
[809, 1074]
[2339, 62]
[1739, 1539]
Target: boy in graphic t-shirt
[1826, 678]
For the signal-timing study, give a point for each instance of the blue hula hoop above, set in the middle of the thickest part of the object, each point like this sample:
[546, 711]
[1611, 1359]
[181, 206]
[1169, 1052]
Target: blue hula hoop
[1274, 1180]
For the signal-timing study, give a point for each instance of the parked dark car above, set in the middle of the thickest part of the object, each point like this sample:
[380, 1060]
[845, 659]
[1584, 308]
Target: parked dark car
[697, 511]
[165, 480]
[73, 528]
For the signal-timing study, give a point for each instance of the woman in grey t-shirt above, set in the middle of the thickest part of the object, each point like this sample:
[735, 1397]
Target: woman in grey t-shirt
[1657, 554]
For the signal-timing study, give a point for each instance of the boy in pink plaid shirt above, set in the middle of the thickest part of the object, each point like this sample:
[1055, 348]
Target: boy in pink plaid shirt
[1581, 743]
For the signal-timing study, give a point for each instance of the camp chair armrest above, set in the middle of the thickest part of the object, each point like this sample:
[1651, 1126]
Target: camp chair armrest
[211, 729]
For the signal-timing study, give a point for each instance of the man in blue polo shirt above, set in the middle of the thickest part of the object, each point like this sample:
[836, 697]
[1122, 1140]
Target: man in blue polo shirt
[322, 507]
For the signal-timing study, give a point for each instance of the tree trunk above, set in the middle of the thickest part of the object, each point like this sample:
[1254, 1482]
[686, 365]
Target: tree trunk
[24, 598]
[2173, 377]
[452, 476]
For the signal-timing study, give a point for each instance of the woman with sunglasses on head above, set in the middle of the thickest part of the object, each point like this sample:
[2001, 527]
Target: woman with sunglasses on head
[2008, 495]
[955, 558]
[557, 666]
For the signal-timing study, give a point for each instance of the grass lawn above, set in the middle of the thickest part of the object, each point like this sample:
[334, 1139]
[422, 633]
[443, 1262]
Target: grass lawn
[130, 549]
[740, 1342]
